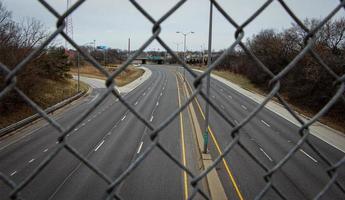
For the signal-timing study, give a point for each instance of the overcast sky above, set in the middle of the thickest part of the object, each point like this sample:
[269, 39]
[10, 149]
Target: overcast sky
[112, 22]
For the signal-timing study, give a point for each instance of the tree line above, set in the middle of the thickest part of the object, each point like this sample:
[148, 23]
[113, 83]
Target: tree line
[17, 41]
[308, 84]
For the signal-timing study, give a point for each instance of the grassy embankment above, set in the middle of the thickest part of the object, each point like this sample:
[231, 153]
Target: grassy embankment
[245, 83]
[49, 93]
[125, 77]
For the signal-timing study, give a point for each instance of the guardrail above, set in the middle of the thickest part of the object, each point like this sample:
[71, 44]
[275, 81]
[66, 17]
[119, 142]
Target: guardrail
[34, 117]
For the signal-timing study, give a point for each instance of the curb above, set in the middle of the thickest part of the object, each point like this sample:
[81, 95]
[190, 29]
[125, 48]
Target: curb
[135, 83]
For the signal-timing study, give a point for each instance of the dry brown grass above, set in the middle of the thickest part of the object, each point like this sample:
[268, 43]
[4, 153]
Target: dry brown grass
[125, 77]
[52, 93]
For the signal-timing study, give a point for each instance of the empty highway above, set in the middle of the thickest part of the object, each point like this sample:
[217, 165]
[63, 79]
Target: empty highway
[111, 138]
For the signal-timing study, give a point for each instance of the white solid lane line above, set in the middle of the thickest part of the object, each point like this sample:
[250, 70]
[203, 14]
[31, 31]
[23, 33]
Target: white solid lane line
[139, 149]
[269, 158]
[309, 156]
[94, 98]
[123, 117]
[100, 144]
[32, 160]
[244, 107]
[265, 123]
[13, 173]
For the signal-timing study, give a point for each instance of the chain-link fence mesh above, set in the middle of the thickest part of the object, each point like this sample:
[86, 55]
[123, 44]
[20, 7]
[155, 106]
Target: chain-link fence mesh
[275, 85]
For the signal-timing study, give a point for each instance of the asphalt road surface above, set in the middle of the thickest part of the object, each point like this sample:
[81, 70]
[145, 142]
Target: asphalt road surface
[111, 138]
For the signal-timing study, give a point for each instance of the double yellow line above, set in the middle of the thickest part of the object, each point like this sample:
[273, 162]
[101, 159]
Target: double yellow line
[226, 165]
[185, 177]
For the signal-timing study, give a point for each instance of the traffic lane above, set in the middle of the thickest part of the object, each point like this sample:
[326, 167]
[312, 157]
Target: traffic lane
[40, 138]
[54, 139]
[239, 109]
[157, 176]
[21, 150]
[287, 131]
[248, 171]
[120, 145]
[332, 153]
[16, 155]
[298, 171]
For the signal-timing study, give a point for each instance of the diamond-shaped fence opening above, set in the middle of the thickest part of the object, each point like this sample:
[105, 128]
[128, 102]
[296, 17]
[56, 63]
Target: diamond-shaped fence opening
[155, 131]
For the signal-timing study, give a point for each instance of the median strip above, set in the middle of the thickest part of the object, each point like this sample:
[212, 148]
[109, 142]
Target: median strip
[232, 178]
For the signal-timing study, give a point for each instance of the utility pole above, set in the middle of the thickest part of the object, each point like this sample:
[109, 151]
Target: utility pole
[206, 133]
[69, 25]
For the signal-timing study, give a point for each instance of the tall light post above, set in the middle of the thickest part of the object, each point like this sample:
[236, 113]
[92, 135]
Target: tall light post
[184, 50]
[208, 80]
[78, 61]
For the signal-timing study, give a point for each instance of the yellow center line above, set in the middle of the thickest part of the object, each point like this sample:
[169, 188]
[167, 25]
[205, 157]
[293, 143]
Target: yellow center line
[232, 178]
[183, 144]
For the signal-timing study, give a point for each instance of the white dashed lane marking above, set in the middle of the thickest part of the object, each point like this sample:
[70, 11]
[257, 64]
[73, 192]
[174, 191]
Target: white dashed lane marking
[265, 123]
[124, 117]
[32, 160]
[139, 149]
[269, 158]
[45, 150]
[245, 108]
[13, 173]
[100, 144]
[309, 156]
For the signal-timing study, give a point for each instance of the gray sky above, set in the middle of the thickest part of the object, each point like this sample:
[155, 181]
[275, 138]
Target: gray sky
[112, 22]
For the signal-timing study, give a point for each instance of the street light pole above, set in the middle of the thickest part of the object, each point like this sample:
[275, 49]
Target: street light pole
[206, 133]
[184, 53]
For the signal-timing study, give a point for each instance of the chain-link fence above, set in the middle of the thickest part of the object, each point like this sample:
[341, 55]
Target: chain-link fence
[275, 85]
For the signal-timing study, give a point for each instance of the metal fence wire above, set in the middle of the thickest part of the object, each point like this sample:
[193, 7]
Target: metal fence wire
[275, 85]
